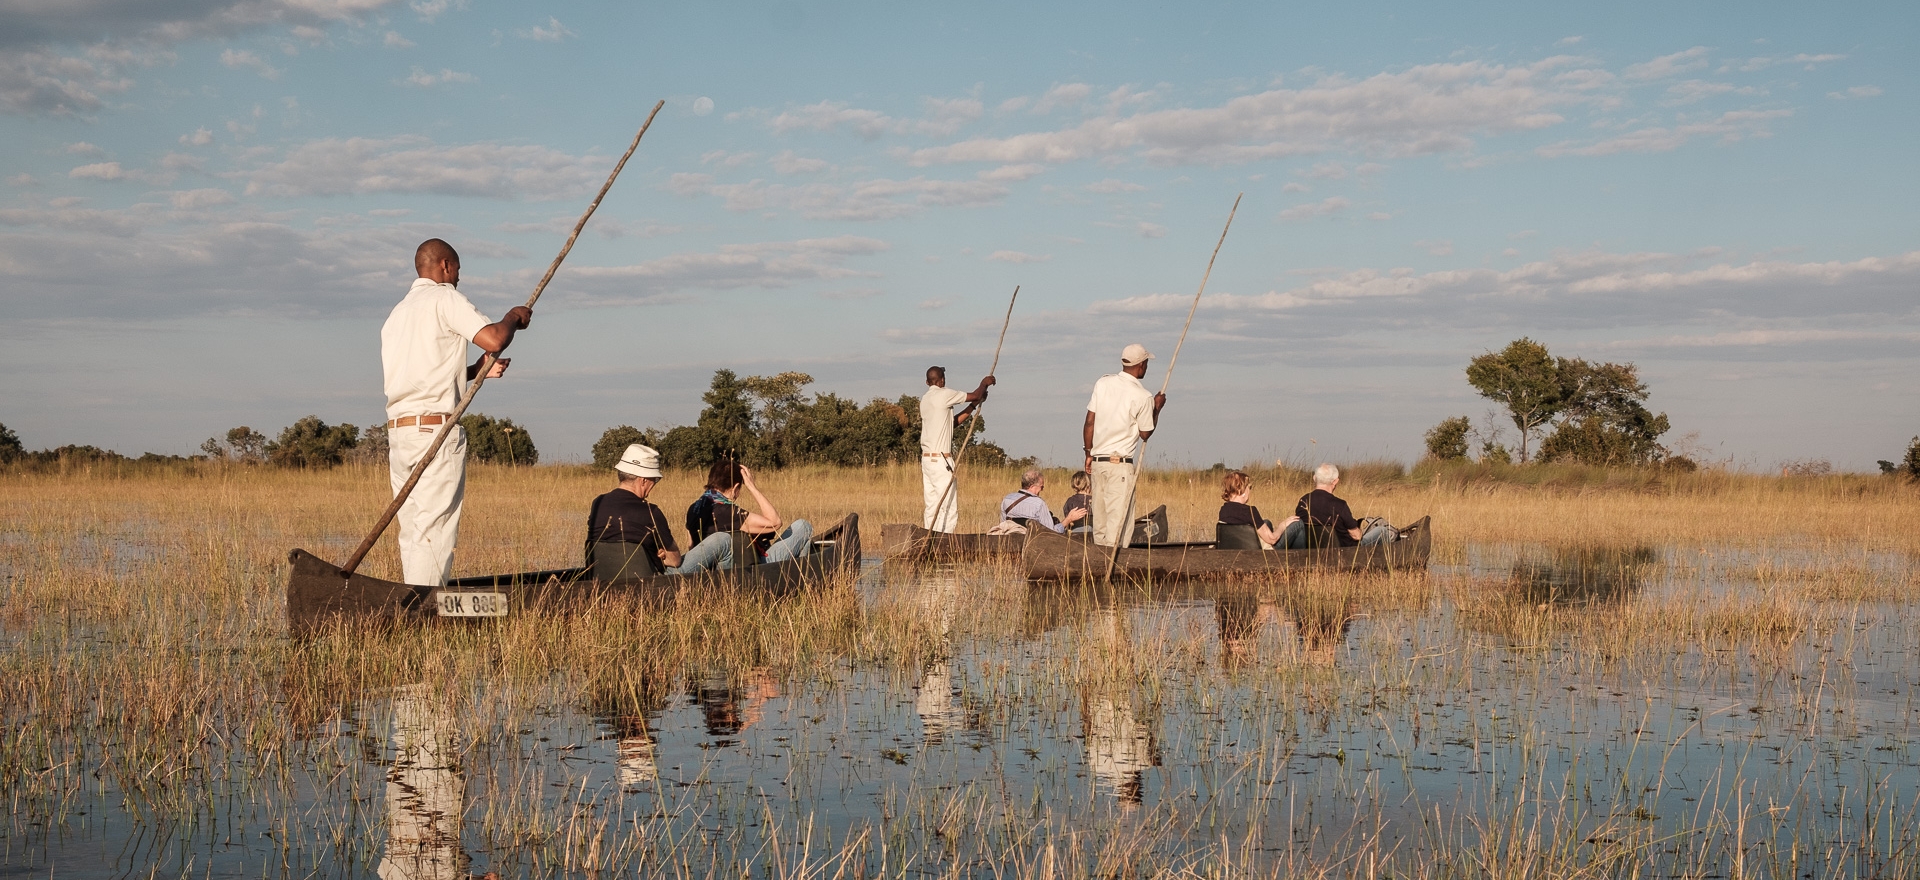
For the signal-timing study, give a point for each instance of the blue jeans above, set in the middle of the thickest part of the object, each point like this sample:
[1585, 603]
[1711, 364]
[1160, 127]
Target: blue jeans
[713, 553]
[1378, 535]
[794, 542]
[1295, 536]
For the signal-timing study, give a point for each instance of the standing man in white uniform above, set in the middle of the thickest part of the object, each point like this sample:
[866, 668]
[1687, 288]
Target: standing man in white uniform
[1121, 415]
[423, 351]
[937, 421]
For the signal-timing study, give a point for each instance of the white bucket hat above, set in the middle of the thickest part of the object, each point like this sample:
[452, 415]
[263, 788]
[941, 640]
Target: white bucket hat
[639, 461]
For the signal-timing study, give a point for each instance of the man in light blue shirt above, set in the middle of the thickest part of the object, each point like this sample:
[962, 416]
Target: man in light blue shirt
[1027, 503]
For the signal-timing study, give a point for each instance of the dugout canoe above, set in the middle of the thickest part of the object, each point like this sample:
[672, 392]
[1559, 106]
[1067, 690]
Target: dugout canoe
[907, 541]
[1051, 557]
[316, 593]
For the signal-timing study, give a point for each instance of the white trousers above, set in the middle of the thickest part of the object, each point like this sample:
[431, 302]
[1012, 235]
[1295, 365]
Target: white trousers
[1112, 489]
[936, 473]
[429, 521]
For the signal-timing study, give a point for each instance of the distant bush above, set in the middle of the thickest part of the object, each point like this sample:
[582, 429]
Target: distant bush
[614, 441]
[243, 444]
[311, 443]
[1806, 467]
[499, 441]
[1447, 441]
[10, 448]
[1912, 461]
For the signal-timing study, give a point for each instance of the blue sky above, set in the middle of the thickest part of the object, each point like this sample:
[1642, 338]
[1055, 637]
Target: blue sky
[207, 208]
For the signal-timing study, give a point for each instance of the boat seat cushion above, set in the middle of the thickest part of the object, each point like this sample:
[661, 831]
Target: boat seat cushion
[614, 561]
[1235, 536]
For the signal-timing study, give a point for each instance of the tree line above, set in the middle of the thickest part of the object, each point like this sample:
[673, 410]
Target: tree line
[771, 421]
[307, 443]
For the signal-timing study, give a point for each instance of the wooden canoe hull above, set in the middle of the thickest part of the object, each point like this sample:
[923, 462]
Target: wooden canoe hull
[317, 594]
[1051, 557]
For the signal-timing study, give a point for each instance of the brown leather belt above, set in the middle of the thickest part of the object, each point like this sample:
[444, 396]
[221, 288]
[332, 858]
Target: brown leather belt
[422, 421]
[935, 455]
[1116, 459]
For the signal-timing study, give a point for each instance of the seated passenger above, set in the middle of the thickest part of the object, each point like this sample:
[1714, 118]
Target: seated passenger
[1325, 513]
[626, 533]
[1027, 503]
[1237, 493]
[717, 513]
[1080, 500]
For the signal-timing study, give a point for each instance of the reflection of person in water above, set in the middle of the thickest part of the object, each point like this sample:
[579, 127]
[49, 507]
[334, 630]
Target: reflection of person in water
[426, 793]
[939, 709]
[1321, 623]
[626, 707]
[729, 708]
[1241, 617]
[1120, 749]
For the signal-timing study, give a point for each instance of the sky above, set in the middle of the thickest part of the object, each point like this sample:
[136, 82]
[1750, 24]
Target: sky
[207, 208]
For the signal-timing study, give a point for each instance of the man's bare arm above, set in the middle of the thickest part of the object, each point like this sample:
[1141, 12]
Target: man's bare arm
[980, 393]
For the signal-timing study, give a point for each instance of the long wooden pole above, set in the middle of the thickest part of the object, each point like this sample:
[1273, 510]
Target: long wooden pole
[486, 364]
[1125, 536]
[953, 477]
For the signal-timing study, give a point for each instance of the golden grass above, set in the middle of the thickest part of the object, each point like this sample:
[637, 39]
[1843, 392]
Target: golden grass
[145, 649]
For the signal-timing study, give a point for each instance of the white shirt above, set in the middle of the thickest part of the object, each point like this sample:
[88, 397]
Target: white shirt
[936, 418]
[423, 348]
[1121, 408]
[1031, 507]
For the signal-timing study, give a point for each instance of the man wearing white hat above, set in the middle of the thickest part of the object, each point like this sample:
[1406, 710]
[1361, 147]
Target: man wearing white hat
[937, 421]
[423, 355]
[624, 516]
[1121, 414]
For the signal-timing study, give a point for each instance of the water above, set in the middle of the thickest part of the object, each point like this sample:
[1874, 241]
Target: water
[1436, 722]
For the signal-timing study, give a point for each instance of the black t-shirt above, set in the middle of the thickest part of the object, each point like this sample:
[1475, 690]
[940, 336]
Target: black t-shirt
[1321, 509]
[1235, 513]
[625, 518]
[708, 515]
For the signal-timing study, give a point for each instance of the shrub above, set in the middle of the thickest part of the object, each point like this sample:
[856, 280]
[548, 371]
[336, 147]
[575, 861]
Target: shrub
[498, 440]
[1447, 441]
[311, 443]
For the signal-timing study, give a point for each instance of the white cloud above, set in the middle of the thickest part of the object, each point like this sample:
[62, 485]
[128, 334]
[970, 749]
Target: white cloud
[428, 10]
[199, 138]
[1689, 91]
[1151, 230]
[946, 116]
[726, 159]
[1807, 61]
[1294, 187]
[1855, 93]
[829, 115]
[393, 40]
[1427, 109]
[413, 164]
[1062, 95]
[1437, 247]
[551, 32]
[1113, 185]
[785, 162]
[767, 265]
[98, 171]
[23, 179]
[879, 199]
[195, 199]
[1728, 127]
[1328, 171]
[82, 148]
[248, 59]
[1667, 65]
[35, 81]
[1323, 208]
[933, 304]
[1569, 41]
[422, 79]
[1012, 172]
[1018, 257]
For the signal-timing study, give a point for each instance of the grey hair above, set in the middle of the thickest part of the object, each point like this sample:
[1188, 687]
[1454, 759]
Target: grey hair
[1030, 476]
[1326, 475]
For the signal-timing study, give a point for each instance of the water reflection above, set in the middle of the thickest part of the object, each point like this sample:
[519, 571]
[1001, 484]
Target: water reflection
[426, 792]
[1120, 747]
[1320, 621]
[730, 706]
[629, 709]
[938, 702]
[1575, 576]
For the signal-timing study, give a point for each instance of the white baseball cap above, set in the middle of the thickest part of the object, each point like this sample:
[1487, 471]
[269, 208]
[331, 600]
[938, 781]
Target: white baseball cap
[1134, 354]
[639, 461]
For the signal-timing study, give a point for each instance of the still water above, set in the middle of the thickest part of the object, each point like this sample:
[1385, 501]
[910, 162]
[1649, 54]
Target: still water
[1443, 724]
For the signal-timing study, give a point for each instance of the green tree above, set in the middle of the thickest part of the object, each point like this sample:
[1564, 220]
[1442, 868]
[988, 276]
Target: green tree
[498, 440]
[1447, 441]
[372, 448]
[1606, 421]
[10, 448]
[1526, 380]
[1912, 460]
[612, 442]
[312, 443]
[243, 444]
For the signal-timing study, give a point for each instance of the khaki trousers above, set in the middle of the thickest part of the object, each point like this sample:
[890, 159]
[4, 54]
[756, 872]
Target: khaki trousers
[1112, 489]
[936, 474]
[429, 521]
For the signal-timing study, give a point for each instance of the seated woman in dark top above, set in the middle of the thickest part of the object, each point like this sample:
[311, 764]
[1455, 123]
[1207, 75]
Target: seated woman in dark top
[1330, 517]
[1237, 491]
[624, 516]
[716, 513]
[1079, 500]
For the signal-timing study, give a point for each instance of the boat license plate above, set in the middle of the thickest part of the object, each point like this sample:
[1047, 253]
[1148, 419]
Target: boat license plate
[454, 604]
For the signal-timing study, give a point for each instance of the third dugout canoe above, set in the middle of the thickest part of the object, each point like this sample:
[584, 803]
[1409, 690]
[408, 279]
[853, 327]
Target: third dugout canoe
[1051, 557]
[910, 542]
